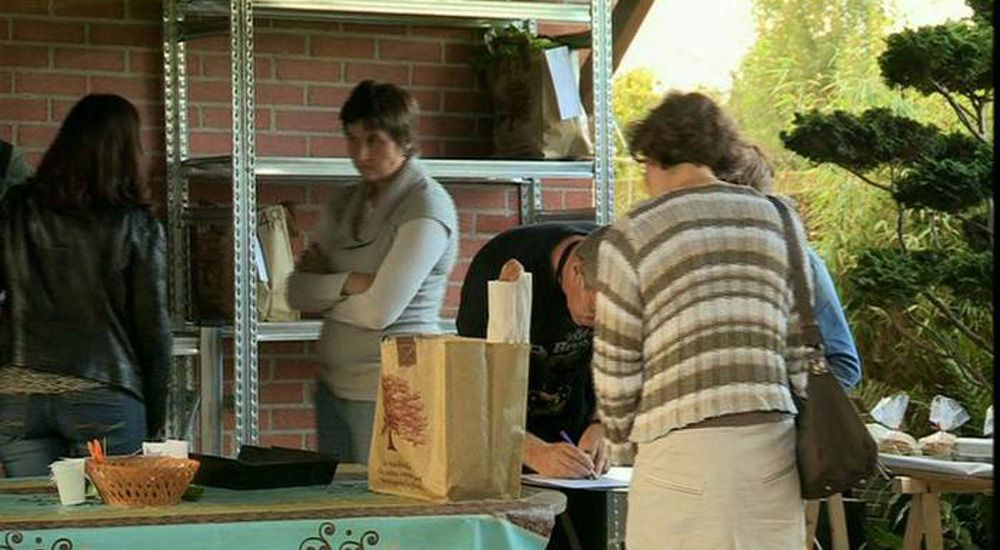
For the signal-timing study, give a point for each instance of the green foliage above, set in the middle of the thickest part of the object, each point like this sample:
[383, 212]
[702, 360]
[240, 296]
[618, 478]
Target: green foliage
[954, 56]
[945, 184]
[968, 275]
[809, 54]
[910, 248]
[888, 276]
[861, 142]
[983, 9]
[634, 95]
[510, 46]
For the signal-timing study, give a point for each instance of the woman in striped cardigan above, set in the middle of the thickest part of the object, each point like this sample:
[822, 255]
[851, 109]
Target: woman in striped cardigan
[695, 354]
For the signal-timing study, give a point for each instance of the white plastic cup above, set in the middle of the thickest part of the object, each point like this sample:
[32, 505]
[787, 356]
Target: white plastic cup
[70, 480]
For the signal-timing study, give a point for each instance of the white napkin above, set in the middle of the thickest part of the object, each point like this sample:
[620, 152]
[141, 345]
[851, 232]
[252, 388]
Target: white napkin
[176, 448]
[509, 305]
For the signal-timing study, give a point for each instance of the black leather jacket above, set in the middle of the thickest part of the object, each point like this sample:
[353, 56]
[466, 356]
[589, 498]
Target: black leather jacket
[86, 296]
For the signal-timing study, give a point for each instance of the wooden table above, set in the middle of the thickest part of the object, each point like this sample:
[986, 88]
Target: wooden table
[923, 524]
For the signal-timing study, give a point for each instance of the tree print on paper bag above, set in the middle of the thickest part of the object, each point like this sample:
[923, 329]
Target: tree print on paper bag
[403, 411]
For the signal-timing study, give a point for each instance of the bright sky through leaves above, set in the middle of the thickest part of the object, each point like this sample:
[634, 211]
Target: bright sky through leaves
[693, 43]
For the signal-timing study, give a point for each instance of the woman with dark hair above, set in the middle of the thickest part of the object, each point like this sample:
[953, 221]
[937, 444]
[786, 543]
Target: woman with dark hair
[84, 333]
[695, 347]
[380, 264]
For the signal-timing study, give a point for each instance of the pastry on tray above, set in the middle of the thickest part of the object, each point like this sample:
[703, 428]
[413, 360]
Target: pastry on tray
[897, 442]
[938, 444]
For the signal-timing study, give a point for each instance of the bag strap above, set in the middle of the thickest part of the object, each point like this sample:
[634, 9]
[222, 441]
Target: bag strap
[796, 258]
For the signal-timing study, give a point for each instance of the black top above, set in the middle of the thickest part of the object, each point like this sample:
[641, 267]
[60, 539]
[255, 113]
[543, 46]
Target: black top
[86, 296]
[560, 385]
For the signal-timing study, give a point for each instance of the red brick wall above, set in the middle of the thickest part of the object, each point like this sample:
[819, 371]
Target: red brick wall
[54, 51]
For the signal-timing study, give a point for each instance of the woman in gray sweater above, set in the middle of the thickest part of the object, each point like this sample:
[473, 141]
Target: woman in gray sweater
[380, 263]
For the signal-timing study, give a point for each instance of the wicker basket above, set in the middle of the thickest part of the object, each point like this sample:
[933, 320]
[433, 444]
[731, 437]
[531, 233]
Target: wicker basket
[142, 480]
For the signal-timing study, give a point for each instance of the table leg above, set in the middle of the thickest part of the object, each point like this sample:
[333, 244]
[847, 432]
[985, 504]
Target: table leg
[931, 512]
[914, 523]
[570, 531]
[838, 521]
[812, 518]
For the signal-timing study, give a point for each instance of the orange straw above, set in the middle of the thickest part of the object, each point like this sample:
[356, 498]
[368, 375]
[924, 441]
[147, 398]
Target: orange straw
[96, 452]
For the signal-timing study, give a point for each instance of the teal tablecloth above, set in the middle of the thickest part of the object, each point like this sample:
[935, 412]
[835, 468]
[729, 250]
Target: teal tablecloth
[344, 516]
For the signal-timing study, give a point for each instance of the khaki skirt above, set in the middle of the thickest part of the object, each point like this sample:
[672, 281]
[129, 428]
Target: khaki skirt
[717, 488]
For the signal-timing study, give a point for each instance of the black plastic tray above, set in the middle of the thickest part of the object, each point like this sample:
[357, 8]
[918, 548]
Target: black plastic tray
[265, 468]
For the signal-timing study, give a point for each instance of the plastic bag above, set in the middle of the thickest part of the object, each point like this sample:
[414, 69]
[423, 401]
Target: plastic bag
[889, 412]
[988, 424]
[946, 415]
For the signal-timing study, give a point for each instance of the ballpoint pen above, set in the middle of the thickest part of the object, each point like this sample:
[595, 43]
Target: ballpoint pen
[565, 437]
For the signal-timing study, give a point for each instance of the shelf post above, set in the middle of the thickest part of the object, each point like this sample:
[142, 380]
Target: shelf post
[530, 200]
[176, 128]
[604, 144]
[244, 224]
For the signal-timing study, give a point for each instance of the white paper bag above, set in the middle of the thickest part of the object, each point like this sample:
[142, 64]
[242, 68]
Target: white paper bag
[509, 303]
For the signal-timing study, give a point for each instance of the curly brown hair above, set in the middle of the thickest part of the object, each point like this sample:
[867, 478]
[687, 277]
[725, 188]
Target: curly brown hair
[687, 128]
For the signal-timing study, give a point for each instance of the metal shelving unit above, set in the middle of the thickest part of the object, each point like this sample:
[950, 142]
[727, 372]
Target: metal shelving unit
[451, 170]
[190, 19]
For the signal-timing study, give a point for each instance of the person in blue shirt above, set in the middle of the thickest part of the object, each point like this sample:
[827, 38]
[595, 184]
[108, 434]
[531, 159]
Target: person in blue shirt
[838, 343]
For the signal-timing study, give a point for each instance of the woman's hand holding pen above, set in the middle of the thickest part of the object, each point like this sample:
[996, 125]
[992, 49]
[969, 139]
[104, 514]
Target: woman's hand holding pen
[559, 459]
[592, 443]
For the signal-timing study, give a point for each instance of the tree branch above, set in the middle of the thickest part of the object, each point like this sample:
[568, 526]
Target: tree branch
[900, 234]
[908, 335]
[950, 353]
[943, 309]
[963, 114]
[989, 224]
[979, 104]
[867, 180]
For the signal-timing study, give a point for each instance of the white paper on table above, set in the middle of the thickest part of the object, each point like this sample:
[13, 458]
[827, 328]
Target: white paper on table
[509, 310]
[938, 466]
[564, 82]
[615, 478]
[175, 448]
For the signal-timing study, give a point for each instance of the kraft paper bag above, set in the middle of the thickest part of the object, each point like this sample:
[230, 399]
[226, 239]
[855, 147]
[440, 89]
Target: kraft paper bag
[272, 230]
[449, 418]
[211, 234]
[527, 120]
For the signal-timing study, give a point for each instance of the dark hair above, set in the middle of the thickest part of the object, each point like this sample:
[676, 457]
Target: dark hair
[751, 169]
[94, 160]
[686, 127]
[382, 106]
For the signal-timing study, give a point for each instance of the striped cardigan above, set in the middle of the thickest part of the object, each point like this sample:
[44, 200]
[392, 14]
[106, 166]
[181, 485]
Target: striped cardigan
[694, 315]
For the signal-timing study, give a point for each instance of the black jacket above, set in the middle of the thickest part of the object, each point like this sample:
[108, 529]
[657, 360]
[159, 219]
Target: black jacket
[86, 296]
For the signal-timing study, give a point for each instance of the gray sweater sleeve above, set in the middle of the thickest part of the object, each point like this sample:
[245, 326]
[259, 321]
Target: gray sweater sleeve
[418, 246]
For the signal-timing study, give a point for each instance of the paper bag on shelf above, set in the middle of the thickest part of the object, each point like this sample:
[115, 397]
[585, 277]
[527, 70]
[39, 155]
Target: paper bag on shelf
[276, 244]
[449, 418]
